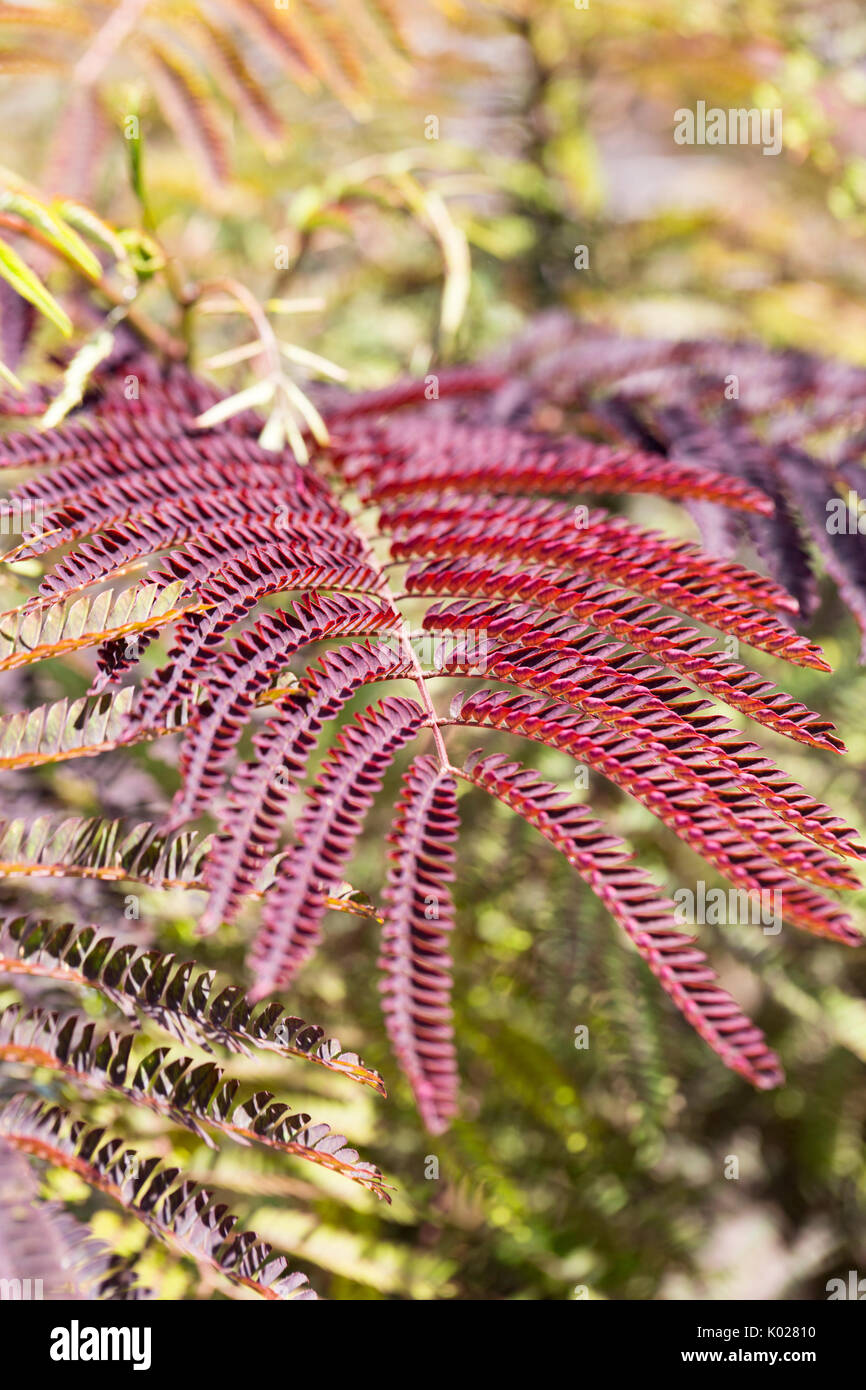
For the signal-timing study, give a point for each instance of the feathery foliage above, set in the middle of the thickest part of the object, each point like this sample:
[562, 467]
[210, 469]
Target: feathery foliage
[150, 987]
[474, 561]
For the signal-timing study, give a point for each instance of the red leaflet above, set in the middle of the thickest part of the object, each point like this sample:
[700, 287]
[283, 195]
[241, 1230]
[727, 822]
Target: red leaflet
[416, 991]
[733, 835]
[432, 516]
[411, 456]
[630, 896]
[457, 381]
[325, 833]
[252, 822]
[610, 611]
[683, 584]
[117, 548]
[232, 683]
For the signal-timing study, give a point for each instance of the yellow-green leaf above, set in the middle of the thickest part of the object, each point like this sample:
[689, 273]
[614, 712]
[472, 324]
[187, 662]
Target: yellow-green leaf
[22, 279]
[57, 232]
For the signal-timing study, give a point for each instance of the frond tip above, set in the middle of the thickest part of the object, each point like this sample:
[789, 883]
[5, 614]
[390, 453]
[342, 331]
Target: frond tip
[416, 989]
[630, 896]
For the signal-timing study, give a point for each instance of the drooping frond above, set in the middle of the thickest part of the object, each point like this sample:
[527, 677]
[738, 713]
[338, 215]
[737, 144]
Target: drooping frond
[657, 709]
[256, 800]
[189, 107]
[232, 682]
[182, 999]
[606, 550]
[417, 985]
[637, 624]
[630, 896]
[200, 1098]
[725, 826]
[180, 1212]
[225, 59]
[324, 835]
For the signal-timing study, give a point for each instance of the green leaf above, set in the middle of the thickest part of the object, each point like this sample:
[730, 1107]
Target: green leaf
[30, 287]
[57, 232]
[86, 221]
